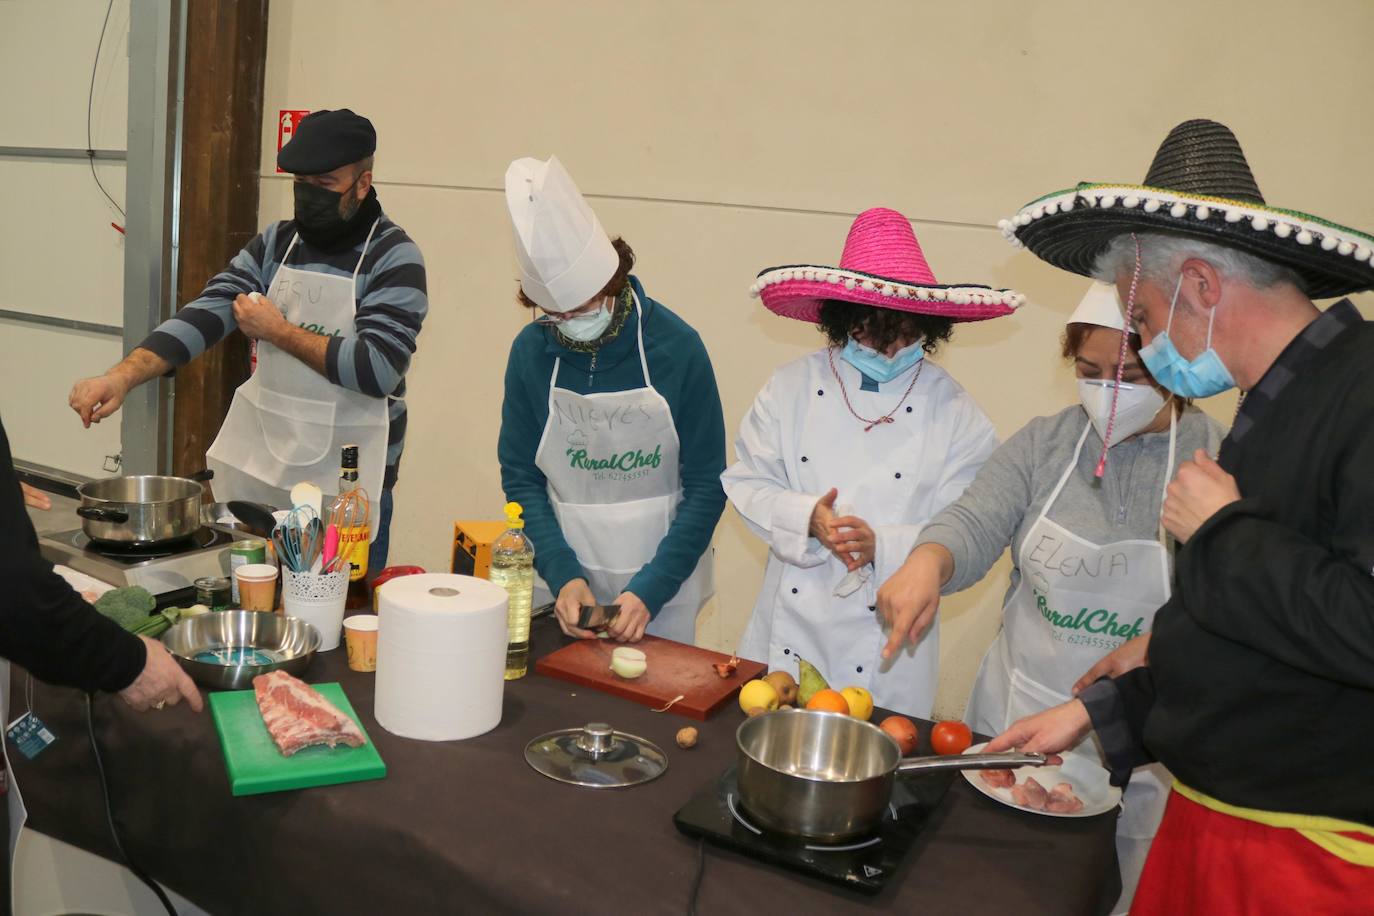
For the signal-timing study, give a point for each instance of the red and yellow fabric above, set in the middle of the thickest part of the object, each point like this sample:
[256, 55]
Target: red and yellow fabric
[1224, 860]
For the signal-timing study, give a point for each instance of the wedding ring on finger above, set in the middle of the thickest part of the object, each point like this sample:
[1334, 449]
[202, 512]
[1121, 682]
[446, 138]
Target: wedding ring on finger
[160, 704]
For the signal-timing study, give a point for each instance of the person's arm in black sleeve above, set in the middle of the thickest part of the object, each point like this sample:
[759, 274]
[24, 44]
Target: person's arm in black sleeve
[44, 624]
[1118, 707]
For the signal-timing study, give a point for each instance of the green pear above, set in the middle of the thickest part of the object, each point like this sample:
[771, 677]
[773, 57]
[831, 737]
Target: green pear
[811, 682]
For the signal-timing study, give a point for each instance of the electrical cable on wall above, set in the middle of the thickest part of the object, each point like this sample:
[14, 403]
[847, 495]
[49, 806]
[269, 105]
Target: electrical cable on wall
[90, 100]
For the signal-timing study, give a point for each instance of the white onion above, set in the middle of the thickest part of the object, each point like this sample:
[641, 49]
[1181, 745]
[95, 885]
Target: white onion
[628, 663]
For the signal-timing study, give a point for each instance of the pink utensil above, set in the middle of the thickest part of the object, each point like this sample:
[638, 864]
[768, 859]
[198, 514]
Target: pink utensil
[331, 547]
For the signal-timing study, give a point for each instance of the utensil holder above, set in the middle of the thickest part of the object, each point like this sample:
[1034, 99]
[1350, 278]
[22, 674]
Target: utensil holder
[318, 600]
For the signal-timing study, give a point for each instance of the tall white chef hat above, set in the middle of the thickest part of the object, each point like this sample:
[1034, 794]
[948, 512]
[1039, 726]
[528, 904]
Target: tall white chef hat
[565, 256]
[1100, 306]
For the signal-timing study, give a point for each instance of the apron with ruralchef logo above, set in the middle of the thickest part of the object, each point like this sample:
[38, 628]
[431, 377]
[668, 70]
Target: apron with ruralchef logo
[1076, 602]
[287, 423]
[611, 460]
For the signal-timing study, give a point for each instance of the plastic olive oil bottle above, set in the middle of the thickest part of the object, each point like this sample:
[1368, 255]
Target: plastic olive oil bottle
[512, 568]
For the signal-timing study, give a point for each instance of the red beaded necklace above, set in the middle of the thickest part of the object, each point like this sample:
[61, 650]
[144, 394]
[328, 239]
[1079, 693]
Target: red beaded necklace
[885, 418]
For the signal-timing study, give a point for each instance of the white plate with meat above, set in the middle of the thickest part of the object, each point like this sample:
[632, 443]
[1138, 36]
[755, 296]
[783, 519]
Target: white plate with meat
[1078, 787]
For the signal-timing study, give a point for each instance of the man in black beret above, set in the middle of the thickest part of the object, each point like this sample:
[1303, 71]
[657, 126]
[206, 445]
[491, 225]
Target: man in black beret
[334, 299]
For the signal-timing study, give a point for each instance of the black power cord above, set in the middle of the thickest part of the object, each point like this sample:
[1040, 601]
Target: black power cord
[90, 101]
[696, 882]
[109, 817]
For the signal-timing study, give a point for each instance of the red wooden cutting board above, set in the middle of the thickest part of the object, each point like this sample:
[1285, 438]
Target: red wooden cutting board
[674, 668]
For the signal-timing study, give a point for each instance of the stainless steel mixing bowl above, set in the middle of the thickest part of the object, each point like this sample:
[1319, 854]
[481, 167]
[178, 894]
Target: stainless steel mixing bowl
[269, 641]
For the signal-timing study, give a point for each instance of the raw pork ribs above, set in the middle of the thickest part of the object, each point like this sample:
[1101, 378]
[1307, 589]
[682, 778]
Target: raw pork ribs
[297, 716]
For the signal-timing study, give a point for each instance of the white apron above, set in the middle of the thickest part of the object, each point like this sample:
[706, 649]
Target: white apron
[14, 802]
[614, 480]
[288, 423]
[1076, 602]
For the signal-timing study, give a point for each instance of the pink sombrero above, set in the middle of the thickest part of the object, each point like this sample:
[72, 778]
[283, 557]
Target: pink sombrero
[882, 266]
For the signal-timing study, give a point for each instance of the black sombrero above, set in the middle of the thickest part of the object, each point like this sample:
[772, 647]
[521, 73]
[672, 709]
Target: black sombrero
[1200, 185]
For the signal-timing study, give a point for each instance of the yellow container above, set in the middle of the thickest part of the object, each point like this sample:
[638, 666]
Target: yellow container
[472, 542]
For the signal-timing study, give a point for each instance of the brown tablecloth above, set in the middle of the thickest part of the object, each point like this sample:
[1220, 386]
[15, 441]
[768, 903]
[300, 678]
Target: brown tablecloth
[469, 827]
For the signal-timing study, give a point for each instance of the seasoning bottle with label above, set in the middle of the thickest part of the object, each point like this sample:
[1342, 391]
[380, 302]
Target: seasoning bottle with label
[355, 536]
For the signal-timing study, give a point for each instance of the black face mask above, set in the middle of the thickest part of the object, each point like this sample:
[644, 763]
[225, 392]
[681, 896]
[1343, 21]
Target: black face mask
[317, 212]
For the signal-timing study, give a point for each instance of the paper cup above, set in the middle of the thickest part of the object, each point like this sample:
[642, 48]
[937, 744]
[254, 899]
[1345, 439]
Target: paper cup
[360, 636]
[257, 586]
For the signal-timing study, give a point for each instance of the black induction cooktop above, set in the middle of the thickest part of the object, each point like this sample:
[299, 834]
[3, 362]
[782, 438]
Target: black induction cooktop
[864, 864]
[205, 538]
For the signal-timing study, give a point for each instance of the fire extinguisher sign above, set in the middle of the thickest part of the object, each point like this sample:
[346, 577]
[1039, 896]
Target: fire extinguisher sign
[287, 121]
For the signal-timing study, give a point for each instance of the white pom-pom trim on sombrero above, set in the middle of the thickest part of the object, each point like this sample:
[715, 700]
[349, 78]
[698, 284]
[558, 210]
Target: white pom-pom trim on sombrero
[959, 295]
[1305, 229]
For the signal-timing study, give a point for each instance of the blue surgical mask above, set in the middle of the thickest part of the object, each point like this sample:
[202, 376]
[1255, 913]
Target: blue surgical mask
[586, 327]
[878, 367]
[1202, 377]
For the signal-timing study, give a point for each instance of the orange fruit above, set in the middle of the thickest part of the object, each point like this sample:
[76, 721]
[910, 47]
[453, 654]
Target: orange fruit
[829, 701]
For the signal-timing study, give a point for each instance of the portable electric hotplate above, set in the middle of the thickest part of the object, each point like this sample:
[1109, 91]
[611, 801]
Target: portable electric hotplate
[863, 864]
[159, 568]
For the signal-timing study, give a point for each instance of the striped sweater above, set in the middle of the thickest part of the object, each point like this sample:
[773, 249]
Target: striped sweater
[392, 303]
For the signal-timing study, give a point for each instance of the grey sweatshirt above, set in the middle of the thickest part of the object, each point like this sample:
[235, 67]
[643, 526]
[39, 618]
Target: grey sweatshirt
[1011, 489]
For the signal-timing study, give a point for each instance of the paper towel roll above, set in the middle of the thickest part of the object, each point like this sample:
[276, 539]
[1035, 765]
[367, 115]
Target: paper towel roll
[441, 656]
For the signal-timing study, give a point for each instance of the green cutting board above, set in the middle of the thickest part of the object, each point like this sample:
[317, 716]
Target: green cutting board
[256, 766]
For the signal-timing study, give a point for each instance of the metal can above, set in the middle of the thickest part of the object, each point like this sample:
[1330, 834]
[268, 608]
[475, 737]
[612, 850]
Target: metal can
[242, 553]
[214, 592]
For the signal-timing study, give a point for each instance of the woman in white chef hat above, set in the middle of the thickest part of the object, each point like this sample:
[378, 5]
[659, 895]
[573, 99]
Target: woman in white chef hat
[612, 436]
[1091, 564]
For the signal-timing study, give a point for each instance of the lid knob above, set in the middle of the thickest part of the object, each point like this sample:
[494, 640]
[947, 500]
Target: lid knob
[597, 738]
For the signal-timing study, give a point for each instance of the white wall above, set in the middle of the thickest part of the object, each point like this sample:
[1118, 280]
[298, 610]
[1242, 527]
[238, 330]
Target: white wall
[59, 256]
[721, 138]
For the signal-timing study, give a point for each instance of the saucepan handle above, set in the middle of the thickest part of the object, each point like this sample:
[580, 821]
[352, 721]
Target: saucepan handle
[1009, 761]
[118, 516]
[202, 476]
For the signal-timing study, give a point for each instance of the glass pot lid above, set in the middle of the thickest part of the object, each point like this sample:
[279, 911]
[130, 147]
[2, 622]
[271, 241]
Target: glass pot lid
[596, 756]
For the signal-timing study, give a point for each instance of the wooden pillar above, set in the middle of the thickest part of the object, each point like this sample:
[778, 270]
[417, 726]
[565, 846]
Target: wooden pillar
[226, 56]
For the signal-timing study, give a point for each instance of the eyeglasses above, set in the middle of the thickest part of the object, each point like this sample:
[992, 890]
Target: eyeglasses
[553, 320]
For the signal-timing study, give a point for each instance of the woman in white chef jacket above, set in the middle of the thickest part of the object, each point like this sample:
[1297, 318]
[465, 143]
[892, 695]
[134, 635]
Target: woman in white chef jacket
[848, 451]
[1091, 565]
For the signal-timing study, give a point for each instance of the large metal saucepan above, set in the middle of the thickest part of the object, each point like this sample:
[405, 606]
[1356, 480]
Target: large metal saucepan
[828, 776]
[143, 510]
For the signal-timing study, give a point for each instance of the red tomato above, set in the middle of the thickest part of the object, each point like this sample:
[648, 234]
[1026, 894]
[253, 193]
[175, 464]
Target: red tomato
[950, 737]
[903, 731]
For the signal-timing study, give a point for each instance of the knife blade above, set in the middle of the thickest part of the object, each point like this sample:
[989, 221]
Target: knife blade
[597, 617]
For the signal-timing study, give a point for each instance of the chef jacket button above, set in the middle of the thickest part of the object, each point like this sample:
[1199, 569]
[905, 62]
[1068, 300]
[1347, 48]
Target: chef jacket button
[860, 669]
[820, 392]
[908, 410]
[786, 651]
[898, 475]
[804, 458]
[794, 591]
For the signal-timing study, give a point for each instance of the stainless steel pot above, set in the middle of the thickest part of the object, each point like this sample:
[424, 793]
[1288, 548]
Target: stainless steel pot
[828, 776]
[143, 510]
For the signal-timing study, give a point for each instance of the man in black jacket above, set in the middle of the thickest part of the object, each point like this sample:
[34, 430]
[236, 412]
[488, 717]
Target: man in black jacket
[1258, 693]
[47, 627]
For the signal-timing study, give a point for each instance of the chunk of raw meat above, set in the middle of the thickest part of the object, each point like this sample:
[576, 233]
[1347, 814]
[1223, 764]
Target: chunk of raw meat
[998, 779]
[1030, 794]
[297, 716]
[1063, 801]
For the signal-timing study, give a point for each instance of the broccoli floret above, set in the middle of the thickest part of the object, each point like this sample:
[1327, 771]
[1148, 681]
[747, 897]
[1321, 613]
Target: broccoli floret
[128, 606]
